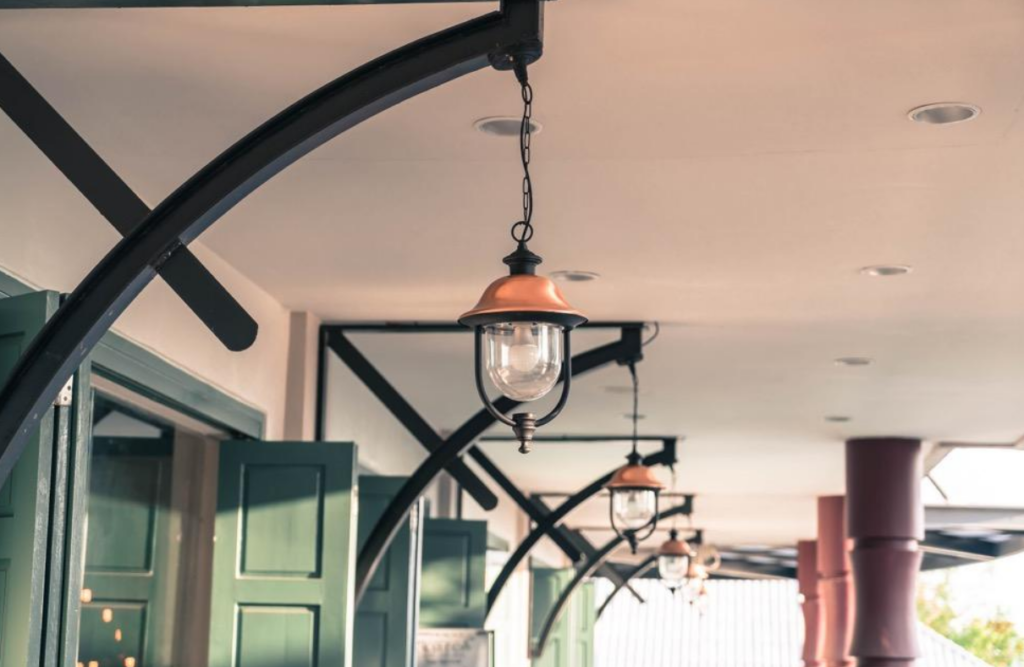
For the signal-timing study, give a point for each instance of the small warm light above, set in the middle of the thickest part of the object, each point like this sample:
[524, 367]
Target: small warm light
[94, 663]
[107, 615]
[86, 595]
[129, 662]
[117, 635]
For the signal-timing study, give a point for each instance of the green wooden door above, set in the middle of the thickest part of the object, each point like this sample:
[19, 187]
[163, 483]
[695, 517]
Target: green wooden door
[128, 615]
[24, 501]
[386, 619]
[454, 570]
[284, 557]
[548, 585]
[584, 616]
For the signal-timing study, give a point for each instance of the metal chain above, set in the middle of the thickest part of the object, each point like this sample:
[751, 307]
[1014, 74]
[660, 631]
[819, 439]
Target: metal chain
[522, 231]
[636, 405]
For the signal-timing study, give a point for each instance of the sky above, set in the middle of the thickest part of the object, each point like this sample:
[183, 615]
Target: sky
[982, 478]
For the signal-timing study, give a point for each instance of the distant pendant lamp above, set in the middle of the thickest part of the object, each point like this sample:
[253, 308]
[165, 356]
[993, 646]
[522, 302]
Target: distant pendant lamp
[634, 489]
[674, 561]
[522, 322]
[703, 562]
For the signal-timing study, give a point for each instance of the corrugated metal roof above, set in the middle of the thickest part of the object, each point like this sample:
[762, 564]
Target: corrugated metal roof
[745, 624]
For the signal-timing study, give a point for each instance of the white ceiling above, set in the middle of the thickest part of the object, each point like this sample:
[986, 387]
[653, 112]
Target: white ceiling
[726, 165]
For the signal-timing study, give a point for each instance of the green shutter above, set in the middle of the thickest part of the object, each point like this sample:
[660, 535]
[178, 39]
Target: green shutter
[128, 546]
[24, 501]
[454, 563]
[548, 585]
[386, 619]
[584, 617]
[284, 558]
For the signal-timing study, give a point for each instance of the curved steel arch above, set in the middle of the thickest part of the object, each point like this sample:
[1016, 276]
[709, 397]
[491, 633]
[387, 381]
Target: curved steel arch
[665, 457]
[113, 284]
[638, 571]
[586, 572]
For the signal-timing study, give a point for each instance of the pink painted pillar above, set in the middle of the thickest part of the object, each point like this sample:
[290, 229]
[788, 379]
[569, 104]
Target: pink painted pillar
[834, 580]
[807, 576]
[886, 522]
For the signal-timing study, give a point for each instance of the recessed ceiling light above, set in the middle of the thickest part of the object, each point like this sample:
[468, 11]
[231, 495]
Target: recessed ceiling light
[837, 419]
[853, 361]
[944, 113]
[504, 126]
[886, 270]
[574, 276]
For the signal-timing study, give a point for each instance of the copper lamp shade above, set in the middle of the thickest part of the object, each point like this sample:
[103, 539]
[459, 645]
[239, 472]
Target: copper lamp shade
[634, 475]
[523, 296]
[675, 547]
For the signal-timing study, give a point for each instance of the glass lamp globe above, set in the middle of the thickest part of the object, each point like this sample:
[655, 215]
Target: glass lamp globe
[523, 359]
[634, 508]
[674, 561]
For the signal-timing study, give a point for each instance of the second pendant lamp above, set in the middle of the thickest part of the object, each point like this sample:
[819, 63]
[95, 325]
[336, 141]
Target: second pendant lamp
[634, 488]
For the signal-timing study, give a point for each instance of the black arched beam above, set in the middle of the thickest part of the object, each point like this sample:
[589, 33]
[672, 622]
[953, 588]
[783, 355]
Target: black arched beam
[638, 571]
[586, 571]
[88, 313]
[112, 197]
[550, 523]
[456, 445]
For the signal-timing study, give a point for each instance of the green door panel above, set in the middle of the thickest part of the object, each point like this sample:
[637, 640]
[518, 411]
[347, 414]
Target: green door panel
[584, 616]
[454, 563]
[128, 545]
[386, 619]
[284, 555]
[24, 531]
[548, 585]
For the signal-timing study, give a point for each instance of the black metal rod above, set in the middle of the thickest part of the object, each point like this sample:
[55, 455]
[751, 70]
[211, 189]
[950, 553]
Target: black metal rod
[115, 201]
[545, 525]
[450, 327]
[403, 411]
[455, 446]
[67, 339]
[583, 573]
[638, 571]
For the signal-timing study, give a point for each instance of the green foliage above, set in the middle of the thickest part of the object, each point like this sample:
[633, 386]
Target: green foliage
[995, 640]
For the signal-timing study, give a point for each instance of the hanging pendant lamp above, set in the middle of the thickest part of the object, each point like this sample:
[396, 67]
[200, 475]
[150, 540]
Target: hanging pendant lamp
[674, 561]
[522, 322]
[634, 488]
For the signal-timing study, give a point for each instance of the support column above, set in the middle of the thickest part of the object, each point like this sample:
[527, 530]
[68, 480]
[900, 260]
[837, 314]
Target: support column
[807, 575]
[834, 581]
[886, 522]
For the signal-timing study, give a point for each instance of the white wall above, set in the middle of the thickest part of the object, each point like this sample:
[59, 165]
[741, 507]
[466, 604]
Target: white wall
[160, 322]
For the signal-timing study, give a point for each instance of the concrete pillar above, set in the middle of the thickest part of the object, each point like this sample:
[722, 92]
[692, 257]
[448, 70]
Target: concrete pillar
[886, 522]
[807, 575]
[834, 581]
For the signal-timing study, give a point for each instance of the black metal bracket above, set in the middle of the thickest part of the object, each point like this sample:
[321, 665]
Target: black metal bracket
[586, 571]
[88, 313]
[450, 450]
[112, 197]
[638, 571]
[549, 524]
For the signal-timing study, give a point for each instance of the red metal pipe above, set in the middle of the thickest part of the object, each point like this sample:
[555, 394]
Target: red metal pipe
[834, 580]
[886, 522]
[807, 576]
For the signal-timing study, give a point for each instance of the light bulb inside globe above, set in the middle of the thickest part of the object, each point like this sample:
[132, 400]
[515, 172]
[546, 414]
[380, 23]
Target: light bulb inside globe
[523, 359]
[672, 569]
[634, 508]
